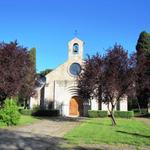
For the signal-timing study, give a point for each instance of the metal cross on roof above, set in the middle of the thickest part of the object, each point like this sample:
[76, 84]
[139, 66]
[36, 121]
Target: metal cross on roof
[75, 33]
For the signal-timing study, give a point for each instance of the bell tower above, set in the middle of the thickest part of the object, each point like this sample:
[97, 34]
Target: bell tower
[75, 49]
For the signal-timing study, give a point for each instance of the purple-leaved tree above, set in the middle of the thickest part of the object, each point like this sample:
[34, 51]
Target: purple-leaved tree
[108, 78]
[15, 66]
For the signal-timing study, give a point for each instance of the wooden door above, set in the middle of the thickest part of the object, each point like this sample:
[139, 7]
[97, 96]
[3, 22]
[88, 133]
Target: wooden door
[74, 107]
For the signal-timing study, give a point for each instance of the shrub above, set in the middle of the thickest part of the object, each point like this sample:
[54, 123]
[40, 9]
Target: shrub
[97, 113]
[9, 114]
[92, 113]
[102, 113]
[141, 112]
[124, 114]
[25, 111]
[36, 111]
[49, 113]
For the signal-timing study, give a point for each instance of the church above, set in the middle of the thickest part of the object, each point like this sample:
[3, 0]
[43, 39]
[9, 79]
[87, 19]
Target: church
[59, 91]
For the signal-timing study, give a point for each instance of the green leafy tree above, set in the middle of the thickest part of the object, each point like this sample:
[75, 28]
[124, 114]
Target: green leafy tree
[45, 72]
[143, 68]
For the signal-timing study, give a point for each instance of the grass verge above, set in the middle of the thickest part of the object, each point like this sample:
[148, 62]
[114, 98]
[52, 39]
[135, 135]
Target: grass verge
[98, 131]
[24, 120]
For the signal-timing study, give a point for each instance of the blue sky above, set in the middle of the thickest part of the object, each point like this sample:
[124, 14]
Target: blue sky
[48, 25]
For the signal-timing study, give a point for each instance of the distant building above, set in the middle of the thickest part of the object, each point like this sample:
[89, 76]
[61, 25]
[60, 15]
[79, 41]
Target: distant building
[60, 89]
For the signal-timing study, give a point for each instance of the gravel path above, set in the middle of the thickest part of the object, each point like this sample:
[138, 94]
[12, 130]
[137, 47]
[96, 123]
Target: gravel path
[43, 135]
[56, 127]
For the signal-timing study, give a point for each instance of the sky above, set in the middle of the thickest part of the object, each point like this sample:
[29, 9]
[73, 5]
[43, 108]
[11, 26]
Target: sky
[48, 25]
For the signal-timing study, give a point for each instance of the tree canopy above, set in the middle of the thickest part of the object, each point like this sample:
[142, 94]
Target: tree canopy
[45, 72]
[27, 88]
[107, 78]
[15, 66]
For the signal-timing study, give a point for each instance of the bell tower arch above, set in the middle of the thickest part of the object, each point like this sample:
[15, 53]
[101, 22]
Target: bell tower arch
[75, 49]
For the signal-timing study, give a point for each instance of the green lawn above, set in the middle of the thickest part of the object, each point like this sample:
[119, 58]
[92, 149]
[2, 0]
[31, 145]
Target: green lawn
[25, 119]
[97, 131]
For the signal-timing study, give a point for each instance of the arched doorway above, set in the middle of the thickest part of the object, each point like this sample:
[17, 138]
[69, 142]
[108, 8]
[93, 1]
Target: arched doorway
[75, 106]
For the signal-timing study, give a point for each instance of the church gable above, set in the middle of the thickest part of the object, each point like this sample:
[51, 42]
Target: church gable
[71, 68]
[60, 73]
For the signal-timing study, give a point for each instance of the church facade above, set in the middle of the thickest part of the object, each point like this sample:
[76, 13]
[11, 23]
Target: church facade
[59, 91]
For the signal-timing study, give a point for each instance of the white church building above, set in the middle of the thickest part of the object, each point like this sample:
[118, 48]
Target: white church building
[59, 91]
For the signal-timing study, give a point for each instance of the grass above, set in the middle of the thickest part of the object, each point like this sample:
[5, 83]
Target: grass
[24, 120]
[98, 131]
[27, 119]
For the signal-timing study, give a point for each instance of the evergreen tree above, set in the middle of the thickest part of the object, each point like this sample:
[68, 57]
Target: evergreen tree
[33, 55]
[143, 67]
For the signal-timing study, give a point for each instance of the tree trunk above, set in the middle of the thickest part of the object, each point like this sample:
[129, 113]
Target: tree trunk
[25, 104]
[111, 111]
[112, 115]
[139, 107]
[113, 118]
[148, 106]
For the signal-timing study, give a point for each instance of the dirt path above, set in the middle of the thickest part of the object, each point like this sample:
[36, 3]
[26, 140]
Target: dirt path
[43, 135]
[56, 127]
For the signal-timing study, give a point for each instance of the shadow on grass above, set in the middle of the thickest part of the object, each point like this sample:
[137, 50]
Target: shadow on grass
[100, 124]
[143, 116]
[134, 134]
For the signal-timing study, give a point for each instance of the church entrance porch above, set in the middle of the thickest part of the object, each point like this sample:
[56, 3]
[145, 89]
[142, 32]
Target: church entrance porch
[75, 107]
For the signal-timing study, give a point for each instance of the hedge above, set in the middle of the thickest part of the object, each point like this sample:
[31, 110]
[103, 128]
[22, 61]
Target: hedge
[97, 113]
[102, 113]
[39, 112]
[49, 113]
[124, 114]
[25, 111]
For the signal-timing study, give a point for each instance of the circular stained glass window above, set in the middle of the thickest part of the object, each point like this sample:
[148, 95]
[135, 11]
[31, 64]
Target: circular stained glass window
[75, 69]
